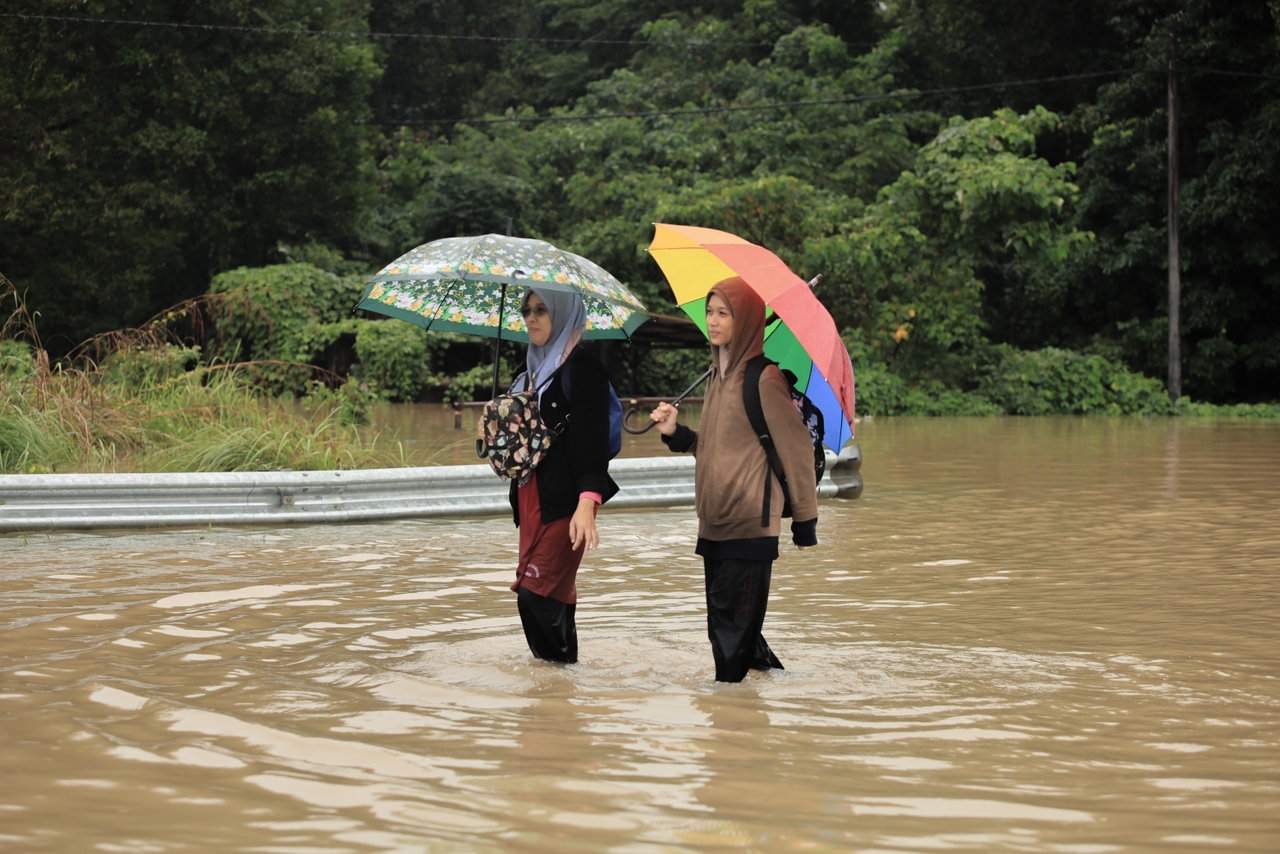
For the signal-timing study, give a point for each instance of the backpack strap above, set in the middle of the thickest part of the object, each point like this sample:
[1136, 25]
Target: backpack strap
[545, 383]
[755, 414]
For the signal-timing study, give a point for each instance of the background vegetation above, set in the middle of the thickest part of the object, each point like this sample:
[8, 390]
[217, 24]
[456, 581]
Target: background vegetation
[135, 400]
[986, 248]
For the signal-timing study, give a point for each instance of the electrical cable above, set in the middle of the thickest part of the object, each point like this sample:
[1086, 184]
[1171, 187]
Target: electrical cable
[852, 99]
[1180, 66]
[634, 115]
[384, 35]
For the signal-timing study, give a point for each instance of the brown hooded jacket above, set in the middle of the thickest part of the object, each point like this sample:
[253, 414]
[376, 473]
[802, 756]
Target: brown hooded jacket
[731, 463]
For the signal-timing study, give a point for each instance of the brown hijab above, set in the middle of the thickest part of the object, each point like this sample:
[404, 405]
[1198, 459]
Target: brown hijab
[748, 324]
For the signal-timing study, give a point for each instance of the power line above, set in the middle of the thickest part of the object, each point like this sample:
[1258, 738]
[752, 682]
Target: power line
[852, 99]
[381, 35]
[1226, 72]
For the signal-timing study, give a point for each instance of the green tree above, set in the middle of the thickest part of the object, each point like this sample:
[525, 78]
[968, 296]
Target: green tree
[1115, 297]
[906, 275]
[137, 162]
[959, 43]
[1112, 297]
[462, 60]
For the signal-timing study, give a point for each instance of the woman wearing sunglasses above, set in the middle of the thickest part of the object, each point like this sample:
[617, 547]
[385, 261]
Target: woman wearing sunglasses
[555, 509]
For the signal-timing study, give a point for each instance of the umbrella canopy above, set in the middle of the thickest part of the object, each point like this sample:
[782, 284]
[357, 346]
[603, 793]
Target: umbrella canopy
[474, 285]
[803, 339]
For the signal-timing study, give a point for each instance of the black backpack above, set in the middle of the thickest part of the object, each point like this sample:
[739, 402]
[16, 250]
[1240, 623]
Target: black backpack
[805, 411]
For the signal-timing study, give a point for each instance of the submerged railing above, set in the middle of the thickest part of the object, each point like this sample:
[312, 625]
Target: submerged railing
[68, 501]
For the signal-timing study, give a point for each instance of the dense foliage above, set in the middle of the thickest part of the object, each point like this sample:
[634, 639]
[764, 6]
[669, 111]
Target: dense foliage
[138, 162]
[287, 318]
[997, 249]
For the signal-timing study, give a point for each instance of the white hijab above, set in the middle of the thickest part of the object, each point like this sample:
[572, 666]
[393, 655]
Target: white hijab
[568, 315]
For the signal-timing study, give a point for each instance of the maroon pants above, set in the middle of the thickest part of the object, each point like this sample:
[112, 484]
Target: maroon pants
[546, 580]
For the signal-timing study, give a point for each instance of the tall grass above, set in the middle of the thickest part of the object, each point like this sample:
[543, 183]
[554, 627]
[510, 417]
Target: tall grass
[142, 401]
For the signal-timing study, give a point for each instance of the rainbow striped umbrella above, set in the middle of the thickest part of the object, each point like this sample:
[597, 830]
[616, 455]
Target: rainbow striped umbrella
[802, 339]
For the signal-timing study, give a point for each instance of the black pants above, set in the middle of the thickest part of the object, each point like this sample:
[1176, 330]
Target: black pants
[549, 627]
[737, 595]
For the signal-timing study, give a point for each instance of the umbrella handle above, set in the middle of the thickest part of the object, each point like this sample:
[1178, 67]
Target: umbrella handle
[676, 403]
[626, 425]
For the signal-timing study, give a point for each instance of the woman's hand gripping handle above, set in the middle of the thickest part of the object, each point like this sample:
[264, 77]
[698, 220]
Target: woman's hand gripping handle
[665, 417]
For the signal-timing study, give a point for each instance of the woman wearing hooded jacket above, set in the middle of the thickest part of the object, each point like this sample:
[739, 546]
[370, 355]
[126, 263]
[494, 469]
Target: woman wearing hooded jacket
[732, 471]
[555, 508]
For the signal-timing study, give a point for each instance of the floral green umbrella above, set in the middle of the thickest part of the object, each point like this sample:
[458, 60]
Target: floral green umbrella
[474, 285]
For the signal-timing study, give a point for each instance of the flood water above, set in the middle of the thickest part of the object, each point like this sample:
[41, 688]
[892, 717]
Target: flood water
[1028, 635]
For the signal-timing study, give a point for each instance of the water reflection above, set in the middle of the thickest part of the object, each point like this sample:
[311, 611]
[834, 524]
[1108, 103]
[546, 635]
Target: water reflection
[1031, 636]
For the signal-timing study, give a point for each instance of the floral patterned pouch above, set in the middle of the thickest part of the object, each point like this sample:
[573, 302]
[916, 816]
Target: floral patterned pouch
[516, 438]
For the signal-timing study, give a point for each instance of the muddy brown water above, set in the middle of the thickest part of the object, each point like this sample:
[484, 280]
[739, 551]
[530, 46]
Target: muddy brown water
[1040, 635]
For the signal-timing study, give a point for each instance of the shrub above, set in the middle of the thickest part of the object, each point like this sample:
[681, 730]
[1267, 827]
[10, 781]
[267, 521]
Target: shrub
[1186, 406]
[881, 392]
[282, 317]
[1063, 382]
[393, 358]
[16, 359]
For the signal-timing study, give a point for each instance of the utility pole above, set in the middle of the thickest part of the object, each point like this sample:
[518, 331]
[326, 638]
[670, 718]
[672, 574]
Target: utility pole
[1175, 275]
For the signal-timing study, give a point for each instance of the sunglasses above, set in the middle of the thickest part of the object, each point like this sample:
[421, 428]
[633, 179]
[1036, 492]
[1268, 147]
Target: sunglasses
[526, 311]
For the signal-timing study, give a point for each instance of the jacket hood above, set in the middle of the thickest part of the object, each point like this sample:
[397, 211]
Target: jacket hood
[748, 322]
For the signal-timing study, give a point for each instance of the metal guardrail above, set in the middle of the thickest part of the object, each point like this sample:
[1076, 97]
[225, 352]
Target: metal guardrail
[70, 501]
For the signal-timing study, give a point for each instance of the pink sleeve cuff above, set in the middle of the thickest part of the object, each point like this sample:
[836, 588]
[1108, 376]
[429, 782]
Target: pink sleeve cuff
[594, 496]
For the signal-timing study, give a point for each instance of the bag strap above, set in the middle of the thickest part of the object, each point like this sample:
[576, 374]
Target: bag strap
[546, 383]
[755, 414]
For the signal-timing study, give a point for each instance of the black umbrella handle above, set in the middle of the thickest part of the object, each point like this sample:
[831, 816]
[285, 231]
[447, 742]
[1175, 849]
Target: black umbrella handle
[626, 418]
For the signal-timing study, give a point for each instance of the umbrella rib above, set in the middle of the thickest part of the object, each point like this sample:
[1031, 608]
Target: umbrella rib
[461, 279]
[440, 304]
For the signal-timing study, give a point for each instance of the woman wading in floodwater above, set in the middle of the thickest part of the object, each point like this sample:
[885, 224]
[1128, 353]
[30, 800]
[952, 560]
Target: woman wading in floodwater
[737, 548]
[555, 508]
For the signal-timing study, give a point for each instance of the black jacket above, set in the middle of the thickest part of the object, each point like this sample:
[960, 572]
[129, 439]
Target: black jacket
[579, 457]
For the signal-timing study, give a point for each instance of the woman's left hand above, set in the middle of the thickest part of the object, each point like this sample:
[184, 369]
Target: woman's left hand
[582, 527]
